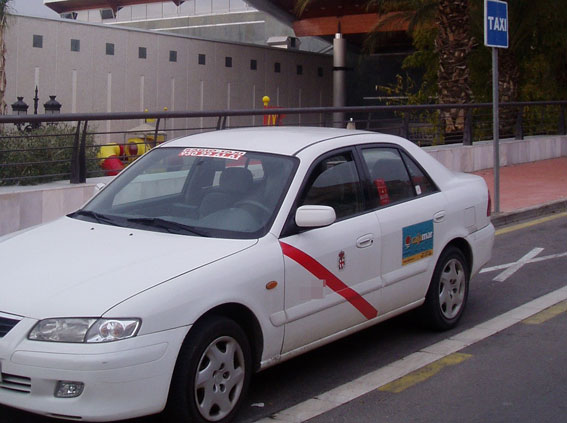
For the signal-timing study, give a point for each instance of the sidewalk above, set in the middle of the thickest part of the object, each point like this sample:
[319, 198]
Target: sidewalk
[529, 189]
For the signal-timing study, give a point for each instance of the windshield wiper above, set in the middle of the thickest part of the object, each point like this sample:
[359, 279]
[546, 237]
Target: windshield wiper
[98, 217]
[168, 225]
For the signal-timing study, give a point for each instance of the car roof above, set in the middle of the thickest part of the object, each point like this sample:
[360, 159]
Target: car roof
[278, 140]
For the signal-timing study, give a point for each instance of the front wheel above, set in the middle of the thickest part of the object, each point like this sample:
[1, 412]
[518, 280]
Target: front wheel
[448, 292]
[212, 373]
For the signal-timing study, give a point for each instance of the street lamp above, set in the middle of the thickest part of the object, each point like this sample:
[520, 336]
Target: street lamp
[20, 108]
[52, 106]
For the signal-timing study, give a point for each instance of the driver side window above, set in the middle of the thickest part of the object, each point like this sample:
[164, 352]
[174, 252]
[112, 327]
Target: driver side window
[334, 182]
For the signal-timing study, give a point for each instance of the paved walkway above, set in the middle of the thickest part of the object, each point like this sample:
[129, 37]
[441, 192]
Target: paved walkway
[529, 185]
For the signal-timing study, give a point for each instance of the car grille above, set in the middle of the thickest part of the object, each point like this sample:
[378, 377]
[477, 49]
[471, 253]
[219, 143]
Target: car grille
[15, 383]
[6, 325]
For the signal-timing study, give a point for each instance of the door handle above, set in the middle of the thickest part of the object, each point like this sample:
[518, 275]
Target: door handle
[439, 216]
[365, 241]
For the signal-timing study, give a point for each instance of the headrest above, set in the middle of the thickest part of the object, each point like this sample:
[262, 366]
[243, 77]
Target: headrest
[236, 179]
[389, 170]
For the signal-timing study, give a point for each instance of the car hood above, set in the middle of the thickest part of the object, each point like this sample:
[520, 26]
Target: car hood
[75, 268]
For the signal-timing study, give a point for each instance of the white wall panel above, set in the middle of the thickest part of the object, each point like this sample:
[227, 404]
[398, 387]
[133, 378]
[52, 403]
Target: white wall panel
[81, 79]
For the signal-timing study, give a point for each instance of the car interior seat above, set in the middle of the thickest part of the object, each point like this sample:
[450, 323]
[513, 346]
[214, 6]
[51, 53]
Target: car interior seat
[235, 183]
[393, 175]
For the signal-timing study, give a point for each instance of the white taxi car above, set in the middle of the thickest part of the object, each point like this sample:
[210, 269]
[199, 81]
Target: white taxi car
[220, 254]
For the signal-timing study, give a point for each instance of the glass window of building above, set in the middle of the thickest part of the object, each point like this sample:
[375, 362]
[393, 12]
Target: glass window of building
[75, 45]
[38, 41]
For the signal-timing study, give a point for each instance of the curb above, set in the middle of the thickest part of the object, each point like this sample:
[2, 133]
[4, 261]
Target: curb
[503, 219]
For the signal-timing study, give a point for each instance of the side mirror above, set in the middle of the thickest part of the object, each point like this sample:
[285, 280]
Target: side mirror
[315, 216]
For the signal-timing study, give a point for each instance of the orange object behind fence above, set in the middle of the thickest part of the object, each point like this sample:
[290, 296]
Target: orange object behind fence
[271, 120]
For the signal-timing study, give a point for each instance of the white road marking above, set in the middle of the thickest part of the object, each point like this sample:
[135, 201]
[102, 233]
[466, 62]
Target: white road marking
[343, 394]
[534, 260]
[518, 265]
[521, 262]
[551, 256]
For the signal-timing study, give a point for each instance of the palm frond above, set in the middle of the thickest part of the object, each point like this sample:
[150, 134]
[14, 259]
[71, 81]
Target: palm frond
[5, 9]
[301, 5]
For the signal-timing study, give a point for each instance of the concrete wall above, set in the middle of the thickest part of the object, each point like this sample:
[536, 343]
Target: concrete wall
[21, 207]
[481, 154]
[90, 80]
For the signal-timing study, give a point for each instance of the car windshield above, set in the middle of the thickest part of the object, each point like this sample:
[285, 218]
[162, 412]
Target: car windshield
[196, 191]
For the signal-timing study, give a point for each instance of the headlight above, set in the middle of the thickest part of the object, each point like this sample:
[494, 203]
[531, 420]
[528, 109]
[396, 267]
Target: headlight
[79, 330]
[108, 330]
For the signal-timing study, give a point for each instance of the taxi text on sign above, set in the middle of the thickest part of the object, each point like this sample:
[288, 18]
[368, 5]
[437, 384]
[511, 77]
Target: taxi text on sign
[496, 24]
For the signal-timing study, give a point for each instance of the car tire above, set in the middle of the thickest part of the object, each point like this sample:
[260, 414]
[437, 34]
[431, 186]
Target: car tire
[448, 291]
[212, 373]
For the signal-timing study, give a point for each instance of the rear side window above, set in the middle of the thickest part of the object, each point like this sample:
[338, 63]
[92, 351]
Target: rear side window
[389, 176]
[421, 182]
[334, 182]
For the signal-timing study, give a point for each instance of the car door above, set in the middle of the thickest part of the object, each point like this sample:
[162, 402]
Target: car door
[332, 274]
[410, 211]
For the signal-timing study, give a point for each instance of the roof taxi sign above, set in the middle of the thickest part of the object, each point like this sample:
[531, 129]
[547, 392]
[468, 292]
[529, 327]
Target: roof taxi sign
[496, 24]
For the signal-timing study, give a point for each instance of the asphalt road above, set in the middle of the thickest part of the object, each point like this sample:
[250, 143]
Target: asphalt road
[517, 375]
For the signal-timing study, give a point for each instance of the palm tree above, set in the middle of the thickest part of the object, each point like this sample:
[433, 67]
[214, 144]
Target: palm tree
[453, 43]
[4, 10]
[537, 34]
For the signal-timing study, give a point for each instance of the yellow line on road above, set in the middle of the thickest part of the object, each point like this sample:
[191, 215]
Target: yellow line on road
[530, 223]
[424, 373]
[547, 314]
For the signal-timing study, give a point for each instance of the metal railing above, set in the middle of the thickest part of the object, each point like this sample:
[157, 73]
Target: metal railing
[50, 147]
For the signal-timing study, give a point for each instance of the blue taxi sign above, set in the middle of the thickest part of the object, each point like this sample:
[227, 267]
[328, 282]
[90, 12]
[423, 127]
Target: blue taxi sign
[496, 24]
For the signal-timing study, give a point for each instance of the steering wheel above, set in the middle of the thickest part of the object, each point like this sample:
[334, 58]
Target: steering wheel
[254, 203]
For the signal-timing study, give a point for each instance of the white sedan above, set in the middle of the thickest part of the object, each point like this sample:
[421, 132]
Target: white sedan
[220, 254]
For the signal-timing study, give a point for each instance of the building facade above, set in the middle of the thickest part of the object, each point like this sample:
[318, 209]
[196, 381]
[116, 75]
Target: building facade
[98, 68]
[221, 20]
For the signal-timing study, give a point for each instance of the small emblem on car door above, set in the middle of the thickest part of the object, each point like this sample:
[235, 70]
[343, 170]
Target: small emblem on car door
[342, 260]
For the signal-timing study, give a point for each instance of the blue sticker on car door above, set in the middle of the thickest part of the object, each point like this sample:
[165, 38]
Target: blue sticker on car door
[417, 242]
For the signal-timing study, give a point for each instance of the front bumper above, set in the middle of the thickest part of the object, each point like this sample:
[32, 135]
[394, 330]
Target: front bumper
[122, 379]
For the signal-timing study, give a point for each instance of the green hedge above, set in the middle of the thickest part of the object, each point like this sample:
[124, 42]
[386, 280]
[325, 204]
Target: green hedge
[43, 151]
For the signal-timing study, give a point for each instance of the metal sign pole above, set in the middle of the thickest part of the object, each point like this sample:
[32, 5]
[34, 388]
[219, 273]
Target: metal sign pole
[496, 36]
[496, 130]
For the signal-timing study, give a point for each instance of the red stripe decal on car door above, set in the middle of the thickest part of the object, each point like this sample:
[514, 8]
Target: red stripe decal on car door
[320, 272]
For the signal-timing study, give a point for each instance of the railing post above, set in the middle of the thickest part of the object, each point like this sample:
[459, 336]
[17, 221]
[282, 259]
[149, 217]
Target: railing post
[75, 166]
[221, 123]
[467, 134]
[83, 156]
[562, 128]
[519, 130]
[326, 119]
[156, 133]
[405, 126]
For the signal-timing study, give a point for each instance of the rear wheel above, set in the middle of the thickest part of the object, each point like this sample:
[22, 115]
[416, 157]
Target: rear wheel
[448, 291]
[212, 373]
